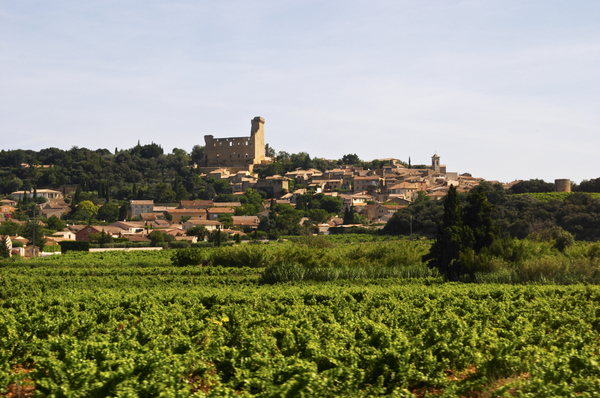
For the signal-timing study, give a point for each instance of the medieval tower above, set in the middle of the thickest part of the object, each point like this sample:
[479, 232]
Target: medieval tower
[237, 151]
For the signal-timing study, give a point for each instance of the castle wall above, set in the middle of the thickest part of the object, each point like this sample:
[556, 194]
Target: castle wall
[237, 151]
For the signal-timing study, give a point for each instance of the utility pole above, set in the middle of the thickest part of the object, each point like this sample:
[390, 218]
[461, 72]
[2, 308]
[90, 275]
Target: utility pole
[34, 206]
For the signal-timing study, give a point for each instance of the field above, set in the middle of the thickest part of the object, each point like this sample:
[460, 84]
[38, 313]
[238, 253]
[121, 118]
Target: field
[134, 325]
[548, 196]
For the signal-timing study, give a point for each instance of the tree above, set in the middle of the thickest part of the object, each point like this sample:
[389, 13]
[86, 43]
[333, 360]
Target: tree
[532, 186]
[226, 220]
[159, 237]
[350, 159]
[13, 185]
[109, 212]
[592, 185]
[101, 238]
[56, 224]
[331, 204]
[198, 155]
[88, 207]
[217, 237]
[348, 216]
[446, 249]
[266, 224]
[4, 247]
[318, 215]
[185, 257]
[40, 232]
[123, 211]
[269, 152]
[199, 231]
[10, 228]
[477, 216]
[222, 186]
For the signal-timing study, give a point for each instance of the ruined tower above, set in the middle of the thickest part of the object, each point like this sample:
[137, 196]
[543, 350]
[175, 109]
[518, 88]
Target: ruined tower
[237, 151]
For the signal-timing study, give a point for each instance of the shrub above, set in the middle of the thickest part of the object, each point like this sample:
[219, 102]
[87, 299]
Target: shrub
[202, 244]
[67, 246]
[180, 244]
[185, 257]
[241, 256]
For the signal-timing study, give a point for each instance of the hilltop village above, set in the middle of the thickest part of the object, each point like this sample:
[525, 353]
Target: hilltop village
[241, 194]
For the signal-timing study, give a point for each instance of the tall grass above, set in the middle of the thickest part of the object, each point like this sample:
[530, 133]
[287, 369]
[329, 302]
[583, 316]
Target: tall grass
[400, 259]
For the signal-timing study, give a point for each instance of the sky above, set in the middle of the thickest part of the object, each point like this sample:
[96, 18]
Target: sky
[503, 89]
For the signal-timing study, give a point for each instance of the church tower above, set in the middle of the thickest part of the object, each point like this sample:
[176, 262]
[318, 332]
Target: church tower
[435, 163]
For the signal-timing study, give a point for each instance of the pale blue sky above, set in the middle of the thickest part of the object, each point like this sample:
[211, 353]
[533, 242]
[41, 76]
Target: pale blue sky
[501, 89]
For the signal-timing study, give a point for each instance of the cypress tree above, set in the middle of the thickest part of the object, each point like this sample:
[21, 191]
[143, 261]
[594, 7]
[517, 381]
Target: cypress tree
[477, 216]
[4, 250]
[123, 212]
[446, 249]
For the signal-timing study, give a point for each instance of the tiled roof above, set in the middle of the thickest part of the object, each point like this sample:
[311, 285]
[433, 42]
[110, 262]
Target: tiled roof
[142, 202]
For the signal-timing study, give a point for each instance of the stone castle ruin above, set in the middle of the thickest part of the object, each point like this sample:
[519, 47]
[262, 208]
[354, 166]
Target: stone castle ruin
[237, 152]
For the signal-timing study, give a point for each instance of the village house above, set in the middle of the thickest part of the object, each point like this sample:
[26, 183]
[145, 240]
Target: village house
[178, 214]
[64, 235]
[274, 186]
[210, 225]
[137, 207]
[84, 233]
[54, 209]
[6, 209]
[41, 193]
[129, 227]
[213, 213]
[195, 204]
[378, 211]
[362, 184]
[246, 221]
[227, 204]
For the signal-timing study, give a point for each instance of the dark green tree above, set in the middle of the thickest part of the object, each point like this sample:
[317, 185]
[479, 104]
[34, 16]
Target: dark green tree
[56, 224]
[446, 249]
[109, 212]
[40, 232]
[477, 217]
[4, 249]
[350, 158]
[123, 211]
[198, 231]
[348, 216]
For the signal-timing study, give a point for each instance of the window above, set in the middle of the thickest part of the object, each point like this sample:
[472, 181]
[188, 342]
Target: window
[220, 144]
[89, 230]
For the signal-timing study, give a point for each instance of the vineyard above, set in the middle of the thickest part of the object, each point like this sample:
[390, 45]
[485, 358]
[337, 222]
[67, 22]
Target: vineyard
[548, 196]
[112, 324]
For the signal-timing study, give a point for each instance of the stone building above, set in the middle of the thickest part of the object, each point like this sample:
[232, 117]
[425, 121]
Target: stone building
[237, 151]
